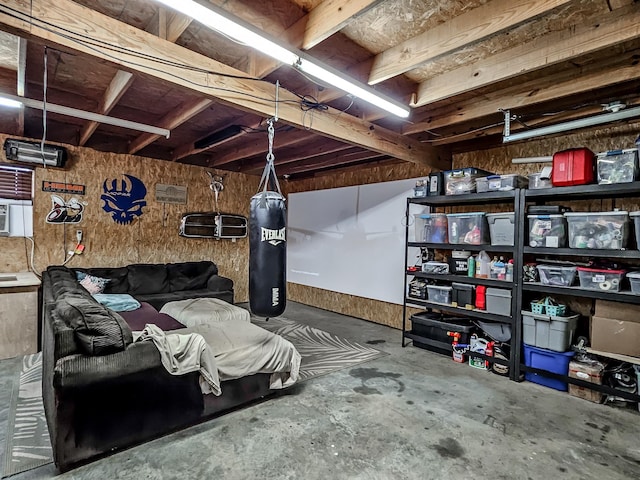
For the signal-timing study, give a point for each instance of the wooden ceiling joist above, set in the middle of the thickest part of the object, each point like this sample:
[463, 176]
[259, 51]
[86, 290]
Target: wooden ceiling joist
[330, 17]
[168, 25]
[598, 33]
[526, 95]
[247, 95]
[340, 158]
[170, 121]
[251, 149]
[117, 88]
[472, 26]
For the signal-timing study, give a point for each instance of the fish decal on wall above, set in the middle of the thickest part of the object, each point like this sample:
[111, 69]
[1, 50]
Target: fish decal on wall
[124, 198]
[65, 211]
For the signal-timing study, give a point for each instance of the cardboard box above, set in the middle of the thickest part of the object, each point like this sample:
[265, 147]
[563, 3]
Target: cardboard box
[588, 373]
[615, 328]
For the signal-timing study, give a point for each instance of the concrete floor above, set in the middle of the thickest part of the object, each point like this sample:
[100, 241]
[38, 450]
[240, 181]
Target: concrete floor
[411, 414]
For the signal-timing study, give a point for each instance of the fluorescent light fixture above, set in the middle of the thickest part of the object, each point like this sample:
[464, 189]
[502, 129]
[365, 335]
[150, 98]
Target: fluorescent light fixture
[568, 126]
[83, 114]
[7, 102]
[223, 22]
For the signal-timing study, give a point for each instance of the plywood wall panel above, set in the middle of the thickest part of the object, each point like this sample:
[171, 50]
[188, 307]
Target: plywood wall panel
[151, 238]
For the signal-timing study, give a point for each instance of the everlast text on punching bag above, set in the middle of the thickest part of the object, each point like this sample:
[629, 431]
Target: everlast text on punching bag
[268, 243]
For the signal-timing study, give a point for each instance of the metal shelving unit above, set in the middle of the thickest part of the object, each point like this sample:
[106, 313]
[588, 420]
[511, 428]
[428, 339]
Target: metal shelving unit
[512, 201]
[519, 199]
[582, 192]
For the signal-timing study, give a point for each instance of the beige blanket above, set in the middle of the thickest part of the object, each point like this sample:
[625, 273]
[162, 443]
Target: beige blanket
[243, 349]
[182, 353]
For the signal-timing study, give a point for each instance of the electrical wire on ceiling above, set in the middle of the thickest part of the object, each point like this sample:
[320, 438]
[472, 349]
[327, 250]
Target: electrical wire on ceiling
[306, 102]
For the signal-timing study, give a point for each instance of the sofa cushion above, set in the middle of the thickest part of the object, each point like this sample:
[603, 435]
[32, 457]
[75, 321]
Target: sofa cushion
[137, 319]
[147, 279]
[117, 278]
[98, 330]
[190, 275]
[92, 283]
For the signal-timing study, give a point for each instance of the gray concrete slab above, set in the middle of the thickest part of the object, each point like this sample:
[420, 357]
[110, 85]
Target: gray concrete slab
[411, 414]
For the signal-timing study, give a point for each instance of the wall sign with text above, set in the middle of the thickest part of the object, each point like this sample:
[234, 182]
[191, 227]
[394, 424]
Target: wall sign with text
[62, 187]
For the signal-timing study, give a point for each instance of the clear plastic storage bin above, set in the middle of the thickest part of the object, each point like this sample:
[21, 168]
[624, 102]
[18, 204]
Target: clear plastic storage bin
[536, 181]
[598, 230]
[462, 181]
[495, 183]
[598, 279]
[431, 228]
[467, 228]
[635, 218]
[439, 294]
[501, 228]
[617, 166]
[547, 231]
[556, 275]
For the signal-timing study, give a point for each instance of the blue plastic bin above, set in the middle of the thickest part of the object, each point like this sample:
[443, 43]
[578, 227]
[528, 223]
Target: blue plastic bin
[554, 362]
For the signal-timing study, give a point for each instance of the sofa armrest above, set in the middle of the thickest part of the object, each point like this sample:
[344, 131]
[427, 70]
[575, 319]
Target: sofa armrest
[217, 283]
[80, 370]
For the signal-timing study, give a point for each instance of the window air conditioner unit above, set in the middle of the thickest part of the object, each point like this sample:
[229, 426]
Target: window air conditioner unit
[4, 219]
[30, 152]
[213, 225]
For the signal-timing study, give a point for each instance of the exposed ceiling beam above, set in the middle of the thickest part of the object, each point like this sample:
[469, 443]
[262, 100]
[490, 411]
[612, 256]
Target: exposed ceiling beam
[170, 121]
[328, 160]
[284, 156]
[595, 34]
[21, 80]
[613, 4]
[330, 17]
[530, 93]
[472, 26]
[117, 87]
[168, 25]
[251, 149]
[241, 93]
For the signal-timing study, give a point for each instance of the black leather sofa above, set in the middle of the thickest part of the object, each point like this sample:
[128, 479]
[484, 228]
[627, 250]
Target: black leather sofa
[101, 391]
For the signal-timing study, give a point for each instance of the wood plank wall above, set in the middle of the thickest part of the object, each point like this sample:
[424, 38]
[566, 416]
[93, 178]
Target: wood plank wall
[152, 238]
[496, 160]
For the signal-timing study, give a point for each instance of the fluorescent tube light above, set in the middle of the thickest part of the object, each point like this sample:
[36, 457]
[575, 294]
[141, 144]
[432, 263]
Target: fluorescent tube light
[83, 114]
[223, 22]
[7, 102]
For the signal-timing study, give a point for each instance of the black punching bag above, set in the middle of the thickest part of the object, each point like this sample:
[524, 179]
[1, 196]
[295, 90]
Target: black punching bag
[267, 254]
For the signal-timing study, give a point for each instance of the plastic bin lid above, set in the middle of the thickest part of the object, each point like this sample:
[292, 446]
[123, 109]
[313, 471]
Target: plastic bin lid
[561, 267]
[466, 286]
[600, 270]
[429, 215]
[634, 214]
[634, 275]
[438, 287]
[498, 292]
[537, 316]
[461, 325]
[470, 214]
[501, 214]
[584, 214]
[549, 215]
[612, 153]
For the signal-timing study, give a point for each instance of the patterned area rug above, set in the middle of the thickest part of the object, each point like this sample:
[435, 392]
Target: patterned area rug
[28, 444]
[321, 352]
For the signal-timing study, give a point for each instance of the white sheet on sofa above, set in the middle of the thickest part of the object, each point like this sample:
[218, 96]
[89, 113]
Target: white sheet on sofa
[203, 311]
[242, 349]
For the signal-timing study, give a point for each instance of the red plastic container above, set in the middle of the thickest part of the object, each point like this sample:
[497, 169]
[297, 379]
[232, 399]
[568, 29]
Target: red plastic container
[573, 167]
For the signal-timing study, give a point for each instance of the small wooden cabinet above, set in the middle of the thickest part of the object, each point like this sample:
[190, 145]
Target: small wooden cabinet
[18, 314]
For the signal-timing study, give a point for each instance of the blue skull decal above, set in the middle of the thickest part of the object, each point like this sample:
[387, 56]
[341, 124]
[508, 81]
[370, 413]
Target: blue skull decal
[124, 201]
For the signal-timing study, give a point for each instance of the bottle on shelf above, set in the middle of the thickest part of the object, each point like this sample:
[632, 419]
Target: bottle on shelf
[509, 274]
[483, 265]
[471, 266]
